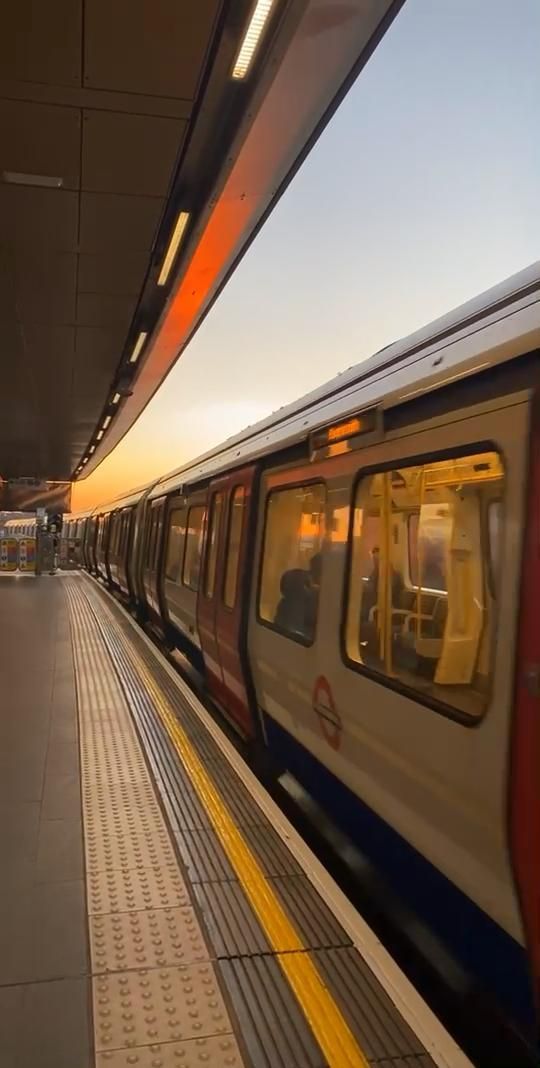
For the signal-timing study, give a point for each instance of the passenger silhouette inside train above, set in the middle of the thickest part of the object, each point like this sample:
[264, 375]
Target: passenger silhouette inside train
[297, 610]
[291, 610]
[313, 582]
[371, 590]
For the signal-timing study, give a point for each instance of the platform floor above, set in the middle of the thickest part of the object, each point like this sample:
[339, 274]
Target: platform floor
[44, 960]
[156, 907]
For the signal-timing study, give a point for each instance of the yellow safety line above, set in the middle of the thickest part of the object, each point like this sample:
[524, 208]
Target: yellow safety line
[326, 1020]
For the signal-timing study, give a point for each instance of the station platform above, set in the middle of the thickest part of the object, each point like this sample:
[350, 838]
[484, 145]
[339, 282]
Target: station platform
[157, 908]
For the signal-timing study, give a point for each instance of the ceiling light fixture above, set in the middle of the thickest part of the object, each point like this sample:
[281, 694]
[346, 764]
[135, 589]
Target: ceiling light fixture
[251, 38]
[85, 461]
[48, 181]
[174, 243]
[116, 398]
[106, 421]
[100, 434]
[138, 346]
[91, 450]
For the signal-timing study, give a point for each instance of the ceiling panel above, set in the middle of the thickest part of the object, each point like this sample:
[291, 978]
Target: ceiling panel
[95, 349]
[37, 367]
[38, 218]
[105, 309]
[41, 41]
[40, 140]
[129, 153]
[112, 273]
[46, 287]
[155, 48]
[112, 222]
[7, 292]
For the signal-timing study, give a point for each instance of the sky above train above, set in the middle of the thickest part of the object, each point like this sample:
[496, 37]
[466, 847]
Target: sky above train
[421, 193]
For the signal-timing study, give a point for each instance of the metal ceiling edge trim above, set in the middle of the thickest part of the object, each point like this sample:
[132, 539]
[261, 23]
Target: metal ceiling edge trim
[309, 108]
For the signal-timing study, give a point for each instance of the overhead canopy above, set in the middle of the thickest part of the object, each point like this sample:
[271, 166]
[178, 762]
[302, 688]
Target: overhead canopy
[124, 125]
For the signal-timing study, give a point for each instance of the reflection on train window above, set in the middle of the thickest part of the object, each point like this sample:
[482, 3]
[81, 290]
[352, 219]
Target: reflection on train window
[213, 539]
[289, 593]
[175, 544]
[236, 512]
[192, 554]
[150, 539]
[421, 608]
[125, 531]
[494, 525]
[429, 534]
[154, 543]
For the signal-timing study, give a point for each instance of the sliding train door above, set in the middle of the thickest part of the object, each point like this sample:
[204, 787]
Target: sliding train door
[222, 595]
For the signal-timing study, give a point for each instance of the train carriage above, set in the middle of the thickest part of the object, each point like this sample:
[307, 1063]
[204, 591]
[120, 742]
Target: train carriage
[358, 576]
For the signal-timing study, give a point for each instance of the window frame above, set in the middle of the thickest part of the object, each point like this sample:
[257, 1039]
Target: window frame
[303, 484]
[493, 573]
[233, 490]
[170, 512]
[187, 585]
[159, 515]
[414, 585]
[396, 685]
[215, 505]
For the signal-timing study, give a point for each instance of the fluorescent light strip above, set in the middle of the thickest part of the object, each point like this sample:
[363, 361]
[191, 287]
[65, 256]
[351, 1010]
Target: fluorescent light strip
[48, 181]
[106, 421]
[176, 238]
[100, 435]
[138, 346]
[116, 398]
[251, 39]
[91, 449]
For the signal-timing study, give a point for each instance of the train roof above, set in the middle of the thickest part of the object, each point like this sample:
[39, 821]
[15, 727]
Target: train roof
[500, 324]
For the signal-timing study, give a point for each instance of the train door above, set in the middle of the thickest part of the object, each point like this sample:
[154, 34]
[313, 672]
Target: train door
[153, 555]
[110, 543]
[208, 588]
[125, 542]
[222, 609]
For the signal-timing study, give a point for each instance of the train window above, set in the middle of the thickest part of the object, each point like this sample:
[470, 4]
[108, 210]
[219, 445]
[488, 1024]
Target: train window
[175, 545]
[115, 533]
[124, 527]
[158, 525]
[149, 539]
[213, 541]
[236, 515]
[419, 610]
[192, 552]
[494, 525]
[428, 536]
[289, 590]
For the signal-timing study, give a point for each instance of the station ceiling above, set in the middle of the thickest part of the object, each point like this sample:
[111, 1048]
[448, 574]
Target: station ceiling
[128, 128]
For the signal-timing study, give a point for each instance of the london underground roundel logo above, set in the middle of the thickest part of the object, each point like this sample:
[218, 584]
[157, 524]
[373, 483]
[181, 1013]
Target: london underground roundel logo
[328, 716]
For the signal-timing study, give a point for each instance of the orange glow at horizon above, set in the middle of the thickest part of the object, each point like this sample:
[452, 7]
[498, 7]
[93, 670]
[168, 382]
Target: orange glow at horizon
[113, 477]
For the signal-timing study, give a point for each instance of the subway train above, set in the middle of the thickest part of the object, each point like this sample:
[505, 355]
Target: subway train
[24, 527]
[358, 579]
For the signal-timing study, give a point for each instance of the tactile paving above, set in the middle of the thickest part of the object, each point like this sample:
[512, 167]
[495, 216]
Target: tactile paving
[145, 939]
[120, 890]
[137, 1008]
[109, 755]
[274, 1028]
[384, 1035]
[271, 852]
[216, 1052]
[233, 928]
[203, 856]
[316, 924]
[172, 1013]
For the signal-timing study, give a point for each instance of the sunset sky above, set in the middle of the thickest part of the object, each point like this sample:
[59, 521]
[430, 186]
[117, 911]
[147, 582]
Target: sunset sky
[422, 192]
